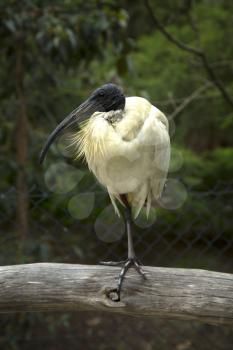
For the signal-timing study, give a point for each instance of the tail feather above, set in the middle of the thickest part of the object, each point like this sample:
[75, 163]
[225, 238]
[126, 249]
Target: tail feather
[113, 200]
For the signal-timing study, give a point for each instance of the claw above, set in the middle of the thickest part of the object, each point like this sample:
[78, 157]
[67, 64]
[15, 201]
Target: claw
[139, 269]
[130, 262]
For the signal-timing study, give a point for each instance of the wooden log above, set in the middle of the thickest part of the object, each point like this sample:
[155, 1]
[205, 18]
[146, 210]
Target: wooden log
[186, 294]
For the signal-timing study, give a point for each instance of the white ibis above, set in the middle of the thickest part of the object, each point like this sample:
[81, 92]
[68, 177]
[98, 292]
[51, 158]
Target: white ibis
[126, 144]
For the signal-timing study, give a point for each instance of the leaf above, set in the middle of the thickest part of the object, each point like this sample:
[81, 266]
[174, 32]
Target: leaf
[72, 37]
[10, 24]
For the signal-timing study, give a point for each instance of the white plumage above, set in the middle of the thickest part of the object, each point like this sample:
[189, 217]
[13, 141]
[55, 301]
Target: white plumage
[128, 151]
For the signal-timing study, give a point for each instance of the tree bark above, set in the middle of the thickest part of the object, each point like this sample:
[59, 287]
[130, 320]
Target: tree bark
[21, 144]
[186, 294]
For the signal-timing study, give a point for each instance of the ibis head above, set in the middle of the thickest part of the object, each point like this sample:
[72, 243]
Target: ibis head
[108, 97]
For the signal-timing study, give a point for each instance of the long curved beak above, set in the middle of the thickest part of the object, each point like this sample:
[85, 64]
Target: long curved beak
[81, 113]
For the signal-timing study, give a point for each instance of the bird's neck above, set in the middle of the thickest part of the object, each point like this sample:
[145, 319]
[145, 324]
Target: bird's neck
[113, 117]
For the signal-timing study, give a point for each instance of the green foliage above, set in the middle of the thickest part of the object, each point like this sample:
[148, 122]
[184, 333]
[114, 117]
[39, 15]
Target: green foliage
[219, 166]
[203, 172]
[169, 75]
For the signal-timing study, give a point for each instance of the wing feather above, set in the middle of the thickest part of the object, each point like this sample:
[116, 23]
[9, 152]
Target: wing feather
[161, 156]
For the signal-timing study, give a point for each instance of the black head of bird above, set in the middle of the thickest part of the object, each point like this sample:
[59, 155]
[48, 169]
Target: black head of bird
[108, 97]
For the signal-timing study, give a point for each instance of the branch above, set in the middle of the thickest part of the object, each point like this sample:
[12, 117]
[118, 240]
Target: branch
[168, 35]
[196, 52]
[215, 80]
[168, 293]
[189, 99]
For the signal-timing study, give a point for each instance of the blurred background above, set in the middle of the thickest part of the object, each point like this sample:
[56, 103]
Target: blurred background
[179, 55]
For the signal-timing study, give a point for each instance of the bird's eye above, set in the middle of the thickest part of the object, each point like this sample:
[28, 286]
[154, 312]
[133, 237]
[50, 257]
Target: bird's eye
[101, 93]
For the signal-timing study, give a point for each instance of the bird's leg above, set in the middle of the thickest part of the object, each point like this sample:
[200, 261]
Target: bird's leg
[131, 254]
[132, 260]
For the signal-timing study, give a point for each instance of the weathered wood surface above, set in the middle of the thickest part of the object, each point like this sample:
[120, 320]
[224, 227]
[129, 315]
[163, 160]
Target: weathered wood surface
[172, 293]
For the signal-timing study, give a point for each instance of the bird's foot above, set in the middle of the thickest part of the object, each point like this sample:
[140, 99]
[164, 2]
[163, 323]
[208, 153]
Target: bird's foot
[130, 262]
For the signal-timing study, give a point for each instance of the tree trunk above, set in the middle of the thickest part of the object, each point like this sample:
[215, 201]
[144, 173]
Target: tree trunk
[21, 145]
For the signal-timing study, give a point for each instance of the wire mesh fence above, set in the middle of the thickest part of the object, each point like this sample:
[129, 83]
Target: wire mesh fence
[198, 234]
